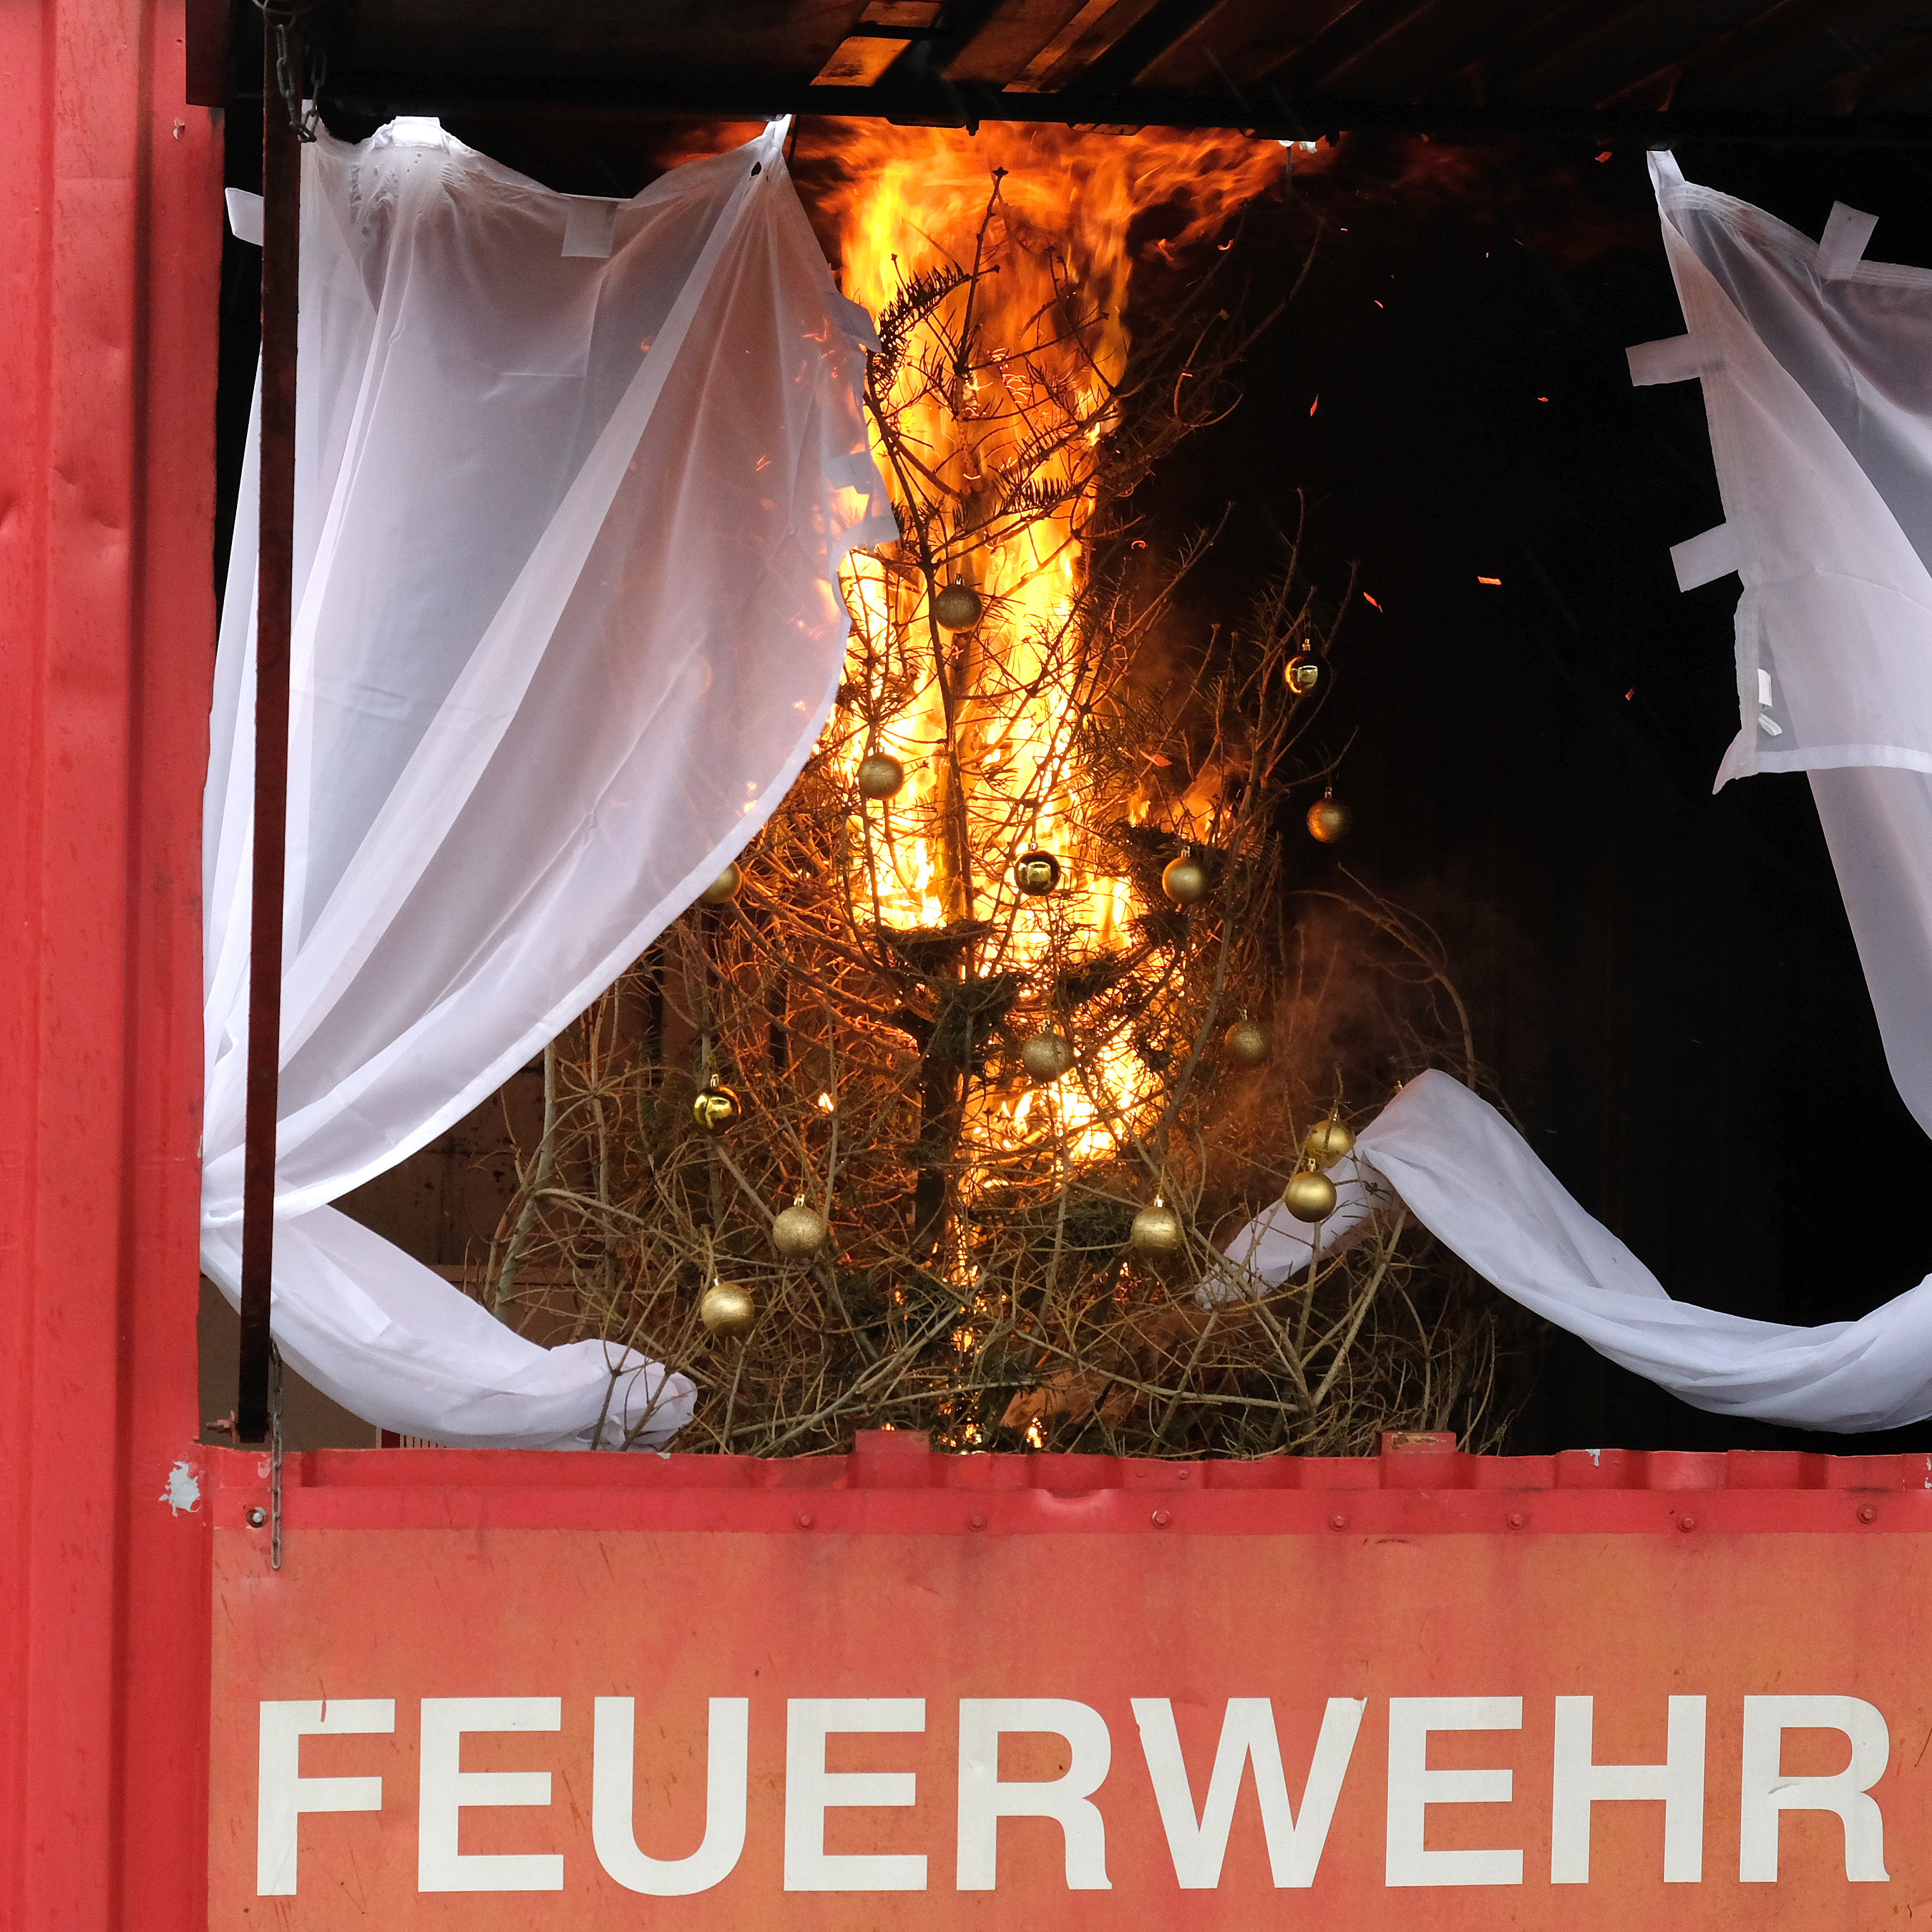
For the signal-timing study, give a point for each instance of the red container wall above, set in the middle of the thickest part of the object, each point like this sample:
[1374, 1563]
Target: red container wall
[128, 1559]
[494, 1691]
[109, 241]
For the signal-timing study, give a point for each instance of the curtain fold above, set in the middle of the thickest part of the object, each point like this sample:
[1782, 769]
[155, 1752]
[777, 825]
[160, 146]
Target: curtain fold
[1817, 368]
[567, 626]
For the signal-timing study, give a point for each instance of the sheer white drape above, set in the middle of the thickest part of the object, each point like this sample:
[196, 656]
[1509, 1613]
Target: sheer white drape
[574, 482]
[1817, 368]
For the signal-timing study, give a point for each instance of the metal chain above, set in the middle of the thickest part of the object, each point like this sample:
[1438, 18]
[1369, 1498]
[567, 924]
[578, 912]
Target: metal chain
[281, 17]
[274, 1457]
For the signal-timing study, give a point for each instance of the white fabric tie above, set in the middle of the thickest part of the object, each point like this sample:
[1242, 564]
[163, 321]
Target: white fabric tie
[1703, 559]
[1842, 246]
[1675, 358]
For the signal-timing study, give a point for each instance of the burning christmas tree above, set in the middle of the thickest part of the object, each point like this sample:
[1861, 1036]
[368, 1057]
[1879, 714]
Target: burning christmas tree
[937, 1112]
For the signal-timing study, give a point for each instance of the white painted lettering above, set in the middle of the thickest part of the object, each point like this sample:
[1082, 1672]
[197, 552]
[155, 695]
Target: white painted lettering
[1413, 1787]
[1578, 1782]
[1248, 1735]
[984, 1800]
[283, 1794]
[1767, 1791]
[613, 1800]
[811, 1790]
[447, 1790]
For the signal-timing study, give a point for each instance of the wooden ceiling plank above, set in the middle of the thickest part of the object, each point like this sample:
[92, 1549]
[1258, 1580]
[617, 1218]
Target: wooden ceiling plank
[860, 60]
[1034, 75]
[1781, 23]
[1571, 34]
[680, 97]
[1824, 68]
[918, 13]
[1421, 59]
[1242, 40]
[1206, 52]
[1364, 25]
[1130, 56]
[1486, 63]
[1009, 39]
[1084, 52]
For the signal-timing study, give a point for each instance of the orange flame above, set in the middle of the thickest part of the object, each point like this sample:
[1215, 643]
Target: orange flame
[1047, 281]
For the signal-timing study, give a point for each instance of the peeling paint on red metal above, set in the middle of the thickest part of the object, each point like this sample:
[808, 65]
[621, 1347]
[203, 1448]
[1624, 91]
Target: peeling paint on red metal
[110, 208]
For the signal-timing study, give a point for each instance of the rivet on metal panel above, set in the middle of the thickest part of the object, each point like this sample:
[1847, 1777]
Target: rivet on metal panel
[1516, 1518]
[976, 1521]
[1867, 1513]
[1687, 1522]
[1338, 1521]
[804, 1520]
[1161, 1519]
[257, 1517]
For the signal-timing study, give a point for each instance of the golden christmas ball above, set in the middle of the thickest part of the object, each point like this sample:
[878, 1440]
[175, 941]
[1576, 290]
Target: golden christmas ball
[1326, 1142]
[715, 1108]
[880, 774]
[1185, 881]
[1035, 873]
[1156, 1231]
[797, 1233]
[1046, 1057]
[1329, 819]
[725, 887]
[1247, 1043]
[727, 1311]
[957, 607]
[1310, 1195]
[1302, 674]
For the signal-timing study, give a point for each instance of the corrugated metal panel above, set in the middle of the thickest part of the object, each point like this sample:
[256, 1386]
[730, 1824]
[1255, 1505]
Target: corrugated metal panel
[109, 236]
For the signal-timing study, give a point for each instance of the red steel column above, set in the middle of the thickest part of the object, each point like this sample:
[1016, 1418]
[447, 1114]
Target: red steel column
[109, 240]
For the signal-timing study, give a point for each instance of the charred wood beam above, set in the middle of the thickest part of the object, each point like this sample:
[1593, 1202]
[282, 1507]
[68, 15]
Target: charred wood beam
[281, 247]
[1270, 112]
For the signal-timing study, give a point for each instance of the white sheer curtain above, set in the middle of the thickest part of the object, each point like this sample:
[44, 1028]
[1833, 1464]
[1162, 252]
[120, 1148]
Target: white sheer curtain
[1817, 368]
[575, 479]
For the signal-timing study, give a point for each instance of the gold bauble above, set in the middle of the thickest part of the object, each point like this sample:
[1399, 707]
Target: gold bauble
[1310, 1195]
[1157, 1232]
[1302, 674]
[1185, 881]
[1046, 1057]
[1035, 873]
[1247, 1043]
[725, 887]
[957, 607]
[880, 774]
[798, 1233]
[1327, 1142]
[1329, 819]
[726, 1310]
[715, 1108]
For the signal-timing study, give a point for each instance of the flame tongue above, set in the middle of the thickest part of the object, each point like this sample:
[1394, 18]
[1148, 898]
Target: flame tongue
[998, 267]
